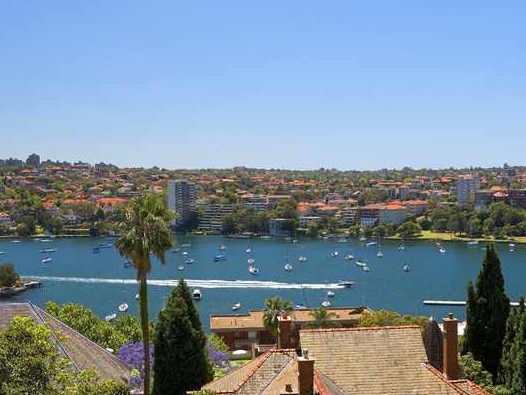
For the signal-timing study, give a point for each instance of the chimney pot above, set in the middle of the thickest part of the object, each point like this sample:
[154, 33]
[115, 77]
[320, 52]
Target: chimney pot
[288, 387]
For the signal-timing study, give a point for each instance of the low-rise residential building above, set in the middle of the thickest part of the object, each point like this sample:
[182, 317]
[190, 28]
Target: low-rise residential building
[244, 331]
[360, 361]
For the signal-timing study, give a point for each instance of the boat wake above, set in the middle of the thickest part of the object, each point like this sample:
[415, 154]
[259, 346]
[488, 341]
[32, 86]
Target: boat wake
[192, 283]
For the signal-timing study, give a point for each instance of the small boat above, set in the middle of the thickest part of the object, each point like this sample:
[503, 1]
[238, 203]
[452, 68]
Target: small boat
[110, 317]
[250, 261]
[361, 263]
[123, 307]
[253, 269]
[105, 245]
[189, 261]
[342, 240]
[331, 294]
[184, 253]
[236, 306]
[16, 241]
[363, 238]
[180, 267]
[176, 250]
[288, 267]
[345, 284]
[45, 241]
[442, 250]
[379, 254]
[2, 252]
[302, 258]
[46, 259]
[511, 245]
[349, 257]
[401, 247]
[294, 241]
[406, 268]
[48, 250]
[300, 306]
[137, 296]
[128, 264]
[196, 294]
[326, 303]
[222, 247]
[371, 243]
[248, 250]
[219, 257]
[334, 254]
[366, 268]
[472, 243]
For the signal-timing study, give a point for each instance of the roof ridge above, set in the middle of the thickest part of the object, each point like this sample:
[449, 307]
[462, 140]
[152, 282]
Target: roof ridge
[361, 329]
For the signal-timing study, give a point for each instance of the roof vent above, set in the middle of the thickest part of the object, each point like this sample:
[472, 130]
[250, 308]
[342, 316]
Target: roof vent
[288, 387]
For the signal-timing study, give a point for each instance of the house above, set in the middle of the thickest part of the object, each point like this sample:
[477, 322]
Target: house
[82, 352]
[357, 361]
[247, 330]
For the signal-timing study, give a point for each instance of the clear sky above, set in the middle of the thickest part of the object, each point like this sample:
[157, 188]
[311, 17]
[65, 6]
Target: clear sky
[295, 84]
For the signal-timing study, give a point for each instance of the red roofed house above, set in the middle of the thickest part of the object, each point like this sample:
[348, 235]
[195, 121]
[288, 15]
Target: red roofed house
[357, 361]
[110, 205]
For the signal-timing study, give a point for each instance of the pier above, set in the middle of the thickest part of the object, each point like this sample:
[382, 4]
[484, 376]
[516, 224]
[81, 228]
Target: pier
[454, 303]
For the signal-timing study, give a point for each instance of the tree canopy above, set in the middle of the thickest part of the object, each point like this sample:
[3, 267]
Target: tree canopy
[487, 310]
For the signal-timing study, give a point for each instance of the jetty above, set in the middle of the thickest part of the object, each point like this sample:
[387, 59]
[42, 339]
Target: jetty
[7, 292]
[454, 303]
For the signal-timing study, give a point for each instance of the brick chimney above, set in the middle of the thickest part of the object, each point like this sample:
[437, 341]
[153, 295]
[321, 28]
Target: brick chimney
[284, 332]
[450, 344]
[305, 374]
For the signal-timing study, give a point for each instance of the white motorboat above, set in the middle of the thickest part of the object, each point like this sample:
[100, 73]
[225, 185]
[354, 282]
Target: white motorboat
[189, 261]
[366, 268]
[236, 306]
[288, 267]
[137, 296]
[253, 269]
[334, 254]
[406, 268]
[196, 294]
[326, 303]
[442, 250]
[302, 258]
[345, 284]
[46, 259]
[123, 307]
[379, 254]
[180, 267]
[331, 294]
[349, 257]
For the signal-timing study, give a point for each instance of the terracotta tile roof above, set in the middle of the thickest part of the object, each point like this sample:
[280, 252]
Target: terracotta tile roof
[256, 376]
[82, 352]
[375, 361]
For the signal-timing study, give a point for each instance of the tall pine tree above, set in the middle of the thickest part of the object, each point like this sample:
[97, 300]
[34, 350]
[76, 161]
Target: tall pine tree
[513, 362]
[180, 357]
[487, 311]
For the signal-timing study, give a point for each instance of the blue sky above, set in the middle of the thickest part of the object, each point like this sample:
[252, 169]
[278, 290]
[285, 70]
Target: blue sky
[270, 84]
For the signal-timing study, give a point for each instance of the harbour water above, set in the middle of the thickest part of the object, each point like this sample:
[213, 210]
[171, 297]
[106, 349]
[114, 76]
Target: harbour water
[102, 282]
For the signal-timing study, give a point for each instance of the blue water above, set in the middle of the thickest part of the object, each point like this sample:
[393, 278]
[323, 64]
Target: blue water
[101, 282]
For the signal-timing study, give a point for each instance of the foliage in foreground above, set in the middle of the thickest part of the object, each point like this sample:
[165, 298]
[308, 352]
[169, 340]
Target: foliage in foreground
[30, 363]
[181, 362]
[125, 328]
[487, 310]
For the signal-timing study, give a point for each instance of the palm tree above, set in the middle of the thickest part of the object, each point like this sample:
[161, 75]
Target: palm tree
[145, 230]
[323, 319]
[275, 307]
